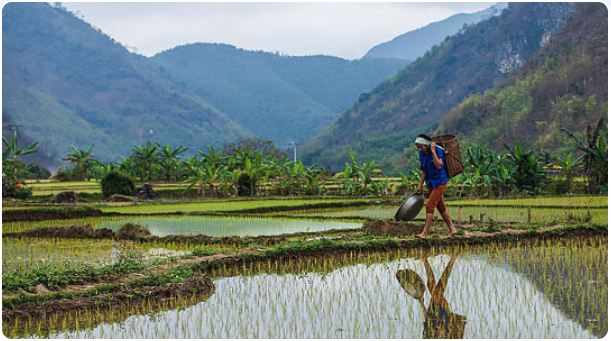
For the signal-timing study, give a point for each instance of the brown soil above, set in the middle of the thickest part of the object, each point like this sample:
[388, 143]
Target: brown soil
[72, 231]
[119, 198]
[132, 231]
[391, 228]
[36, 215]
[116, 300]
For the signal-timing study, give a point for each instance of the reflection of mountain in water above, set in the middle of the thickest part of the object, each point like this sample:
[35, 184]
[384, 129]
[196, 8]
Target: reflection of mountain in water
[572, 279]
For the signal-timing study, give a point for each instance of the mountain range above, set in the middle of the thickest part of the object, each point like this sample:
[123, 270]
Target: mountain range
[414, 44]
[535, 67]
[384, 122]
[66, 83]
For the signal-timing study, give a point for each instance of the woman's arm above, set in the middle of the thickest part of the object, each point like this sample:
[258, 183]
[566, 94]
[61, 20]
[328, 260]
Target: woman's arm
[419, 189]
[436, 160]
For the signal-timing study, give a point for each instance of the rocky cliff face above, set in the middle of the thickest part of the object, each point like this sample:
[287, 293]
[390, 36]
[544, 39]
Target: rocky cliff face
[548, 18]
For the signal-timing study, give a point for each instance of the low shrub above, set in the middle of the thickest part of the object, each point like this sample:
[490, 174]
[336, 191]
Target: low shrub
[117, 183]
[16, 191]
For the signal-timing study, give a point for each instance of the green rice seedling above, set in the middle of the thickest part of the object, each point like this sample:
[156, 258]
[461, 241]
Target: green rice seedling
[19, 255]
[593, 201]
[334, 298]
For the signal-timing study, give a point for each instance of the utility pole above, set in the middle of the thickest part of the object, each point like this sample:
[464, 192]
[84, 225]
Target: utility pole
[294, 145]
[14, 127]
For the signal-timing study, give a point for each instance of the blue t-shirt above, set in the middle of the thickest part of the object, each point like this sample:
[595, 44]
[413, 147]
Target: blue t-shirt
[434, 177]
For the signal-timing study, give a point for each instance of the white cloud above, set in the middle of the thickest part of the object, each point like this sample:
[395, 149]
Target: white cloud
[345, 30]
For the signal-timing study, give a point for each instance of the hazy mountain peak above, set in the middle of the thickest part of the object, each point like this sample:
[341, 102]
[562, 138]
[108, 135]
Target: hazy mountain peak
[414, 44]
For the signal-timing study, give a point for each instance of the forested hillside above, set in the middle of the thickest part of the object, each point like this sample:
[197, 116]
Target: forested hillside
[383, 122]
[277, 97]
[564, 85]
[66, 83]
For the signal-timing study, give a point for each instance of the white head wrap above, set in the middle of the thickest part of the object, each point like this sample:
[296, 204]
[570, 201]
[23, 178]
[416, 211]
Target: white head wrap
[422, 141]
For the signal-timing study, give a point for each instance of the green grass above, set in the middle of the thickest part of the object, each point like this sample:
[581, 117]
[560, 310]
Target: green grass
[555, 201]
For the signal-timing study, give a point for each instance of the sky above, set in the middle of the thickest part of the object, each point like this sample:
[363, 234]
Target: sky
[343, 29]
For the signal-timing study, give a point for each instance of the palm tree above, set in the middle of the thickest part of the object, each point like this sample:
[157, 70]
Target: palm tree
[168, 159]
[82, 161]
[14, 171]
[145, 157]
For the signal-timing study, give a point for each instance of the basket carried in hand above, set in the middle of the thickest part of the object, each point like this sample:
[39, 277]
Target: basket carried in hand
[453, 160]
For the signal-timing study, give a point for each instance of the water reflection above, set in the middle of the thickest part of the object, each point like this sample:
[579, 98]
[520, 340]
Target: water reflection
[439, 321]
[340, 297]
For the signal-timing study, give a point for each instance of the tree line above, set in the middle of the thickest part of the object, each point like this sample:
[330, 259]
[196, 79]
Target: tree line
[256, 167]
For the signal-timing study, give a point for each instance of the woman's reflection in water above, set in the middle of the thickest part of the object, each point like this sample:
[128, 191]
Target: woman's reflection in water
[439, 322]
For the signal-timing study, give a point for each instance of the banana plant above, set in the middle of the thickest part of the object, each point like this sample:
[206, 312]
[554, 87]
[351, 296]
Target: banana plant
[82, 161]
[527, 172]
[212, 157]
[10, 158]
[198, 178]
[128, 166]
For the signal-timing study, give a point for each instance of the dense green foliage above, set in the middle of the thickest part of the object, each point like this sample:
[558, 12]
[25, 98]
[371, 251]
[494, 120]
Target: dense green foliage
[424, 91]
[117, 183]
[13, 170]
[564, 85]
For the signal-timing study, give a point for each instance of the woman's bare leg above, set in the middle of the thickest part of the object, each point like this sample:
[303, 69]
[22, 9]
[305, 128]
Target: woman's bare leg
[448, 221]
[427, 225]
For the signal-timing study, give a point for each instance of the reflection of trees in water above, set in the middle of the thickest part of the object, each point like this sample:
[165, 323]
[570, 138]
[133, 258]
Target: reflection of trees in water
[439, 321]
[574, 279]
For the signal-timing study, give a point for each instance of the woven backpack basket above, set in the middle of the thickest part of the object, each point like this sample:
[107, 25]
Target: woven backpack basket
[453, 160]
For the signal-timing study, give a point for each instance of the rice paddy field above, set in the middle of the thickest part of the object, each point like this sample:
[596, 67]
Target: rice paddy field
[491, 213]
[21, 254]
[299, 269]
[492, 291]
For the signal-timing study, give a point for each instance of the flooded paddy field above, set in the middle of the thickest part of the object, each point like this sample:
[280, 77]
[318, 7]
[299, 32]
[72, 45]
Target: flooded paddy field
[528, 289]
[215, 226]
[304, 269]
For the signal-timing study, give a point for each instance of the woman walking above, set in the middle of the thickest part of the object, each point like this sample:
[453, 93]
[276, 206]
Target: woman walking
[433, 172]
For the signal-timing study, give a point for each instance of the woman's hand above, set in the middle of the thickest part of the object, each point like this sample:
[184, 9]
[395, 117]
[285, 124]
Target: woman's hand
[433, 145]
[419, 190]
